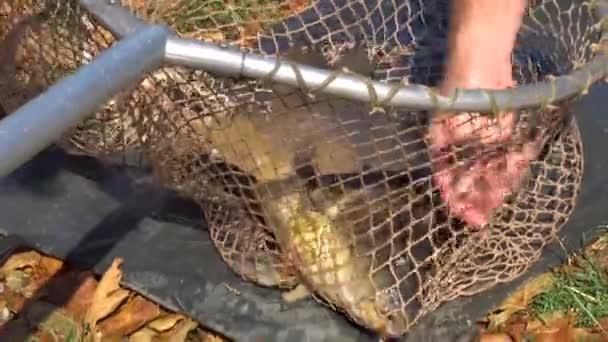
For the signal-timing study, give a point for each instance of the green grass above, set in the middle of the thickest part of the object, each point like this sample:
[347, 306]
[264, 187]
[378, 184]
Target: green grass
[195, 15]
[584, 289]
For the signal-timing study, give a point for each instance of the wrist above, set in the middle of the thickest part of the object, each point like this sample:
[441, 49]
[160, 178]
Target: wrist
[485, 29]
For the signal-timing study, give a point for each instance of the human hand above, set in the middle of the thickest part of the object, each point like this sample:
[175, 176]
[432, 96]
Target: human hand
[473, 190]
[482, 37]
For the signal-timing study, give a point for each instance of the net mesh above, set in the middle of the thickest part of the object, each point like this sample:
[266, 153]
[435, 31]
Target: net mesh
[317, 192]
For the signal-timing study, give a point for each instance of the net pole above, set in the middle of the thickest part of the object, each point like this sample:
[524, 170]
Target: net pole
[232, 62]
[43, 120]
[229, 61]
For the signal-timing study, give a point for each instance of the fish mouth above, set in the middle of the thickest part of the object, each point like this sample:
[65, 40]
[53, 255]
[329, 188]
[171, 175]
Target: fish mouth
[391, 325]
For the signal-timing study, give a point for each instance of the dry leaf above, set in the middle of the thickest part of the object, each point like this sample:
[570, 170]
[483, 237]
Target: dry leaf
[496, 337]
[553, 327]
[517, 330]
[165, 323]
[5, 315]
[14, 301]
[74, 292]
[51, 319]
[297, 5]
[42, 336]
[50, 266]
[603, 323]
[207, 35]
[248, 32]
[207, 337]
[130, 317]
[144, 334]
[19, 261]
[181, 330]
[519, 300]
[16, 280]
[106, 298]
[37, 281]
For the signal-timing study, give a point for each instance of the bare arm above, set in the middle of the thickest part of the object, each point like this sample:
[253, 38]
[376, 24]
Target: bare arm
[481, 39]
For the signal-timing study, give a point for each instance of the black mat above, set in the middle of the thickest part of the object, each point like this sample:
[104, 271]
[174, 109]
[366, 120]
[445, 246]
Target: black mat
[67, 207]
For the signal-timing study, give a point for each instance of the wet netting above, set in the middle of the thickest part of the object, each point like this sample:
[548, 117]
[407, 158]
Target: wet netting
[317, 194]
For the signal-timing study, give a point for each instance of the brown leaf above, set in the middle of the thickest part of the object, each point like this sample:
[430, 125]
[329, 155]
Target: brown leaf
[588, 336]
[495, 337]
[19, 261]
[50, 266]
[206, 35]
[517, 330]
[554, 327]
[74, 292]
[603, 323]
[37, 281]
[14, 300]
[107, 297]
[297, 5]
[144, 334]
[166, 322]
[207, 337]
[130, 317]
[51, 319]
[5, 315]
[519, 300]
[16, 280]
[180, 331]
[42, 336]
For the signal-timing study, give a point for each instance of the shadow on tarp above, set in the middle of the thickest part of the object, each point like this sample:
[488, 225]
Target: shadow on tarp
[73, 208]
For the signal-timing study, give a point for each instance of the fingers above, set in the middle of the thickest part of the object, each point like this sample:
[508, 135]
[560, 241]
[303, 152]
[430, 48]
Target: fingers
[473, 193]
[456, 129]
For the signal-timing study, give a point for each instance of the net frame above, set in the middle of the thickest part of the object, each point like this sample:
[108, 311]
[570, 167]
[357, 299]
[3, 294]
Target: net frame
[236, 63]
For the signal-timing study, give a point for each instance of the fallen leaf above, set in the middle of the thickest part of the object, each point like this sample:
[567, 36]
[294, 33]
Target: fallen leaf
[519, 300]
[16, 280]
[603, 323]
[107, 297]
[584, 335]
[50, 318]
[206, 35]
[554, 327]
[14, 300]
[36, 282]
[297, 5]
[495, 337]
[180, 331]
[248, 31]
[517, 330]
[5, 315]
[207, 337]
[144, 334]
[166, 322]
[130, 317]
[19, 261]
[41, 336]
[50, 266]
[73, 291]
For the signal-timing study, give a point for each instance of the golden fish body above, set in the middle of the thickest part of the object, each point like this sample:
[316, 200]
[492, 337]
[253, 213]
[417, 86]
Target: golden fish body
[321, 250]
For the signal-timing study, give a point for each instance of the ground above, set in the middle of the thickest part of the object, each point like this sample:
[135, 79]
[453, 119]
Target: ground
[98, 309]
[569, 303]
[566, 304]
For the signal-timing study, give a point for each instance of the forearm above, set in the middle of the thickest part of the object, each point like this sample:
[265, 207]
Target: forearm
[482, 35]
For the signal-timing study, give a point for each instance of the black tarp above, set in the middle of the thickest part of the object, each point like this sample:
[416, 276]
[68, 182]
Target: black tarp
[68, 207]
